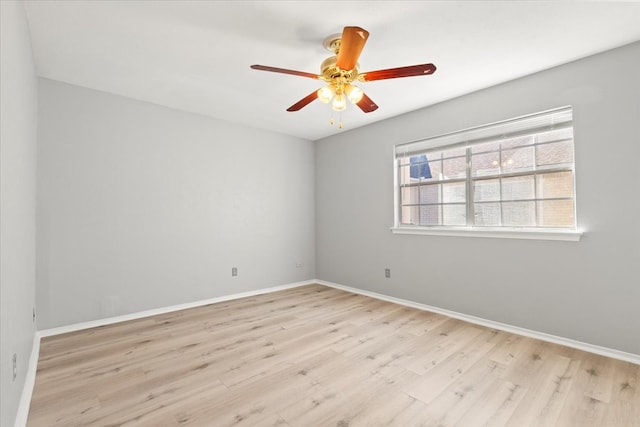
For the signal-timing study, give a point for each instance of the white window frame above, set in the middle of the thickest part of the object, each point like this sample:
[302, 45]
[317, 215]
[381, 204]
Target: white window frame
[525, 125]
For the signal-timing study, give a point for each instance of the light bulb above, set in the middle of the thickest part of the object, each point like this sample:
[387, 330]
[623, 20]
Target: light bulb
[339, 102]
[354, 93]
[325, 94]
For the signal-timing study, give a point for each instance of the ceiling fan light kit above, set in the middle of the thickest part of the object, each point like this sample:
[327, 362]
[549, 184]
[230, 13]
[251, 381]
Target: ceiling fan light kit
[340, 72]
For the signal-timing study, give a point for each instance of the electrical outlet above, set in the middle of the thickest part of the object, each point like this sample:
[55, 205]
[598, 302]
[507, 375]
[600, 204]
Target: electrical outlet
[387, 273]
[15, 366]
[234, 271]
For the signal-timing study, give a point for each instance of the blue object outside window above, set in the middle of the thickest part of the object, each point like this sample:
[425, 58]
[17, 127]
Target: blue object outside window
[419, 167]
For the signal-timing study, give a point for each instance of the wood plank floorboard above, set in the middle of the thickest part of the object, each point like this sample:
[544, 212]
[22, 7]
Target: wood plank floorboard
[319, 356]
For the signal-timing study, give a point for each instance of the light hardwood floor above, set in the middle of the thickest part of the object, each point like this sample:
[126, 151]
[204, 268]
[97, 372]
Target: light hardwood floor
[318, 356]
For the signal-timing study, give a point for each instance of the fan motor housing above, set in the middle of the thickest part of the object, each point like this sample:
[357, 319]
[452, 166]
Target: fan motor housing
[330, 71]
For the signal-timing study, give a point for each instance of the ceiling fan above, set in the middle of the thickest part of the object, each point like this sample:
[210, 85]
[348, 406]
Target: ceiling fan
[340, 72]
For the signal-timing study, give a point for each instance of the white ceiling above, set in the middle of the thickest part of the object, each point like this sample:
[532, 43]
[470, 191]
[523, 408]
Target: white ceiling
[195, 55]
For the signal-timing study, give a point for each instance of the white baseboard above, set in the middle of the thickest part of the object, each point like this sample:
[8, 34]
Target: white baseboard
[29, 382]
[591, 348]
[111, 320]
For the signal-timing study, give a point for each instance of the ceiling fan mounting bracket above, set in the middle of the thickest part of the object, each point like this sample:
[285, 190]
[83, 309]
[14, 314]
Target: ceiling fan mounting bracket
[332, 42]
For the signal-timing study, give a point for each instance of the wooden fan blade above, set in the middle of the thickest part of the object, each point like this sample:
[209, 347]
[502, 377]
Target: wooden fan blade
[394, 73]
[351, 45]
[366, 104]
[285, 71]
[304, 102]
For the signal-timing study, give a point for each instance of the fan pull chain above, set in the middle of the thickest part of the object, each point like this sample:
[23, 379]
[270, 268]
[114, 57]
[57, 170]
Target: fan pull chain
[331, 121]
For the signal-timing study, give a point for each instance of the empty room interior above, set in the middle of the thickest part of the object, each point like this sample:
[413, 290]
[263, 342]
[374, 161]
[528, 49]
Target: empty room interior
[320, 213]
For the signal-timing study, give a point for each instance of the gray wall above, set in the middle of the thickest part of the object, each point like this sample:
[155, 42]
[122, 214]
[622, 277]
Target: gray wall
[18, 115]
[141, 206]
[587, 291]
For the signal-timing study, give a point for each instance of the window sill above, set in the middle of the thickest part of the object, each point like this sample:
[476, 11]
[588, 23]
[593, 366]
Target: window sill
[500, 233]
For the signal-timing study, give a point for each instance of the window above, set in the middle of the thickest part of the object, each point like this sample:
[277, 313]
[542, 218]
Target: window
[512, 176]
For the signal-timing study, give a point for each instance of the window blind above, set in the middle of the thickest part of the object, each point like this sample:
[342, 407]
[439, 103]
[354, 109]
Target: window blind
[522, 126]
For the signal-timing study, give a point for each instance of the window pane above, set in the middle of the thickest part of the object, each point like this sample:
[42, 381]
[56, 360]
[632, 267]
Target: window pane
[486, 190]
[454, 215]
[518, 142]
[434, 155]
[485, 164]
[454, 168]
[410, 215]
[555, 185]
[403, 175]
[555, 135]
[436, 167]
[555, 153]
[487, 146]
[518, 159]
[487, 214]
[455, 152]
[454, 192]
[556, 213]
[430, 194]
[519, 214]
[430, 215]
[409, 195]
[518, 188]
